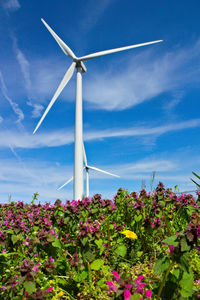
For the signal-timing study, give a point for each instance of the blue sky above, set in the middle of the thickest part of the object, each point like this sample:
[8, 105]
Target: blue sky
[141, 107]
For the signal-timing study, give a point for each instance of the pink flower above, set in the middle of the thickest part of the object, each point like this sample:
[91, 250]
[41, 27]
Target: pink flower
[26, 293]
[4, 251]
[127, 295]
[35, 268]
[112, 287]
[140, 288]
[3, 287]
[148, 294]
[141, 277]
[49, 289]
[128, 287]
[117, 277]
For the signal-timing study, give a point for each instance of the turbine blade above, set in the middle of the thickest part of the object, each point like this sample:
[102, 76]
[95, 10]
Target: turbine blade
[65, 183]
[62, 45]
[101, 53]
[102, 171]
[84, 155]
[63, 83]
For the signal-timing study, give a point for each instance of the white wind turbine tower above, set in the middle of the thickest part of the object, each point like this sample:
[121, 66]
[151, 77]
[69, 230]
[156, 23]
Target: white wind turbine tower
[80, 67]
[87, 168]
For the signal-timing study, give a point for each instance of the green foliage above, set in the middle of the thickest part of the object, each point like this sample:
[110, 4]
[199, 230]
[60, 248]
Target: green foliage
[77, 250]
[198, 177]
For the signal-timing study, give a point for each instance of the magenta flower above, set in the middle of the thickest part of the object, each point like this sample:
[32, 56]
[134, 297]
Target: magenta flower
[4, 251]
[3, 287]
[49, 289]
[128, 287]
[117, 277]
[112, 287]
[127, 295]
[148, 294]
[35, 268]
[140, 288]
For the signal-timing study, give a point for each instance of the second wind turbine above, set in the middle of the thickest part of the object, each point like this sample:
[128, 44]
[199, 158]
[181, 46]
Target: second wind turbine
[80, 67]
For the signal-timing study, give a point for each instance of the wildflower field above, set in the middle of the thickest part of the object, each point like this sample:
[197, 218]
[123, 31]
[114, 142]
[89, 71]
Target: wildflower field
[138, 246]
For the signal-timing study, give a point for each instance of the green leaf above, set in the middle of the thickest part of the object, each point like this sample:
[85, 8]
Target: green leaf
[184, 245]
[183, 262]
[139, 253]
[16, 238]
[171, 240]
[97, 264]
[186, 284]
[89, 256]
[196, 175]
[161, 265]
[84, 240]
[83, 275]
[29, 287]
[99, 243]
[121, 250]
[176, 273]
[136, 296]
[105, 269]
[195, 183]
[138, 218]
[101, 282]
[56, 243]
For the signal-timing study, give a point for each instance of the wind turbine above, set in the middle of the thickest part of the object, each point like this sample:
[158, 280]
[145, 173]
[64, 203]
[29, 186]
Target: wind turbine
[87, 168]
[80, 67]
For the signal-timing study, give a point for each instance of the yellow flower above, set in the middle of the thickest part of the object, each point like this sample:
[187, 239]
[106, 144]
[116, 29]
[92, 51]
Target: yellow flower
[130, 234]
[60, 294]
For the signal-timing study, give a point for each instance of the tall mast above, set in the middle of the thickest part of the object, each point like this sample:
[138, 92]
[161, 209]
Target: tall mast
[78, 138]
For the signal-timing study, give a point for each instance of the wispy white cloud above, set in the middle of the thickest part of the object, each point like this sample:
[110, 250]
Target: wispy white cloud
[37, 109]
[63, 137]
[92, 13]
[42, 177]
[144, 77]
[46, 177]
[14, 106]
[11, 5]
[1, 119]
[23, 63]
[25, 69]
[126, 82]
[122, 84]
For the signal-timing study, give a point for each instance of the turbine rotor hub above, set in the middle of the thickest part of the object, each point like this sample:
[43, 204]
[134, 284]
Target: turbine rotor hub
[80, 64]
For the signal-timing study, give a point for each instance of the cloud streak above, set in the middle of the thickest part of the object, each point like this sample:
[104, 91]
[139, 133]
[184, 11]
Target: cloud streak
[63, 137]
[19, 113]
[25, 69]
[144, 77]
[11, 5]
[93, 12]
[45, 176]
